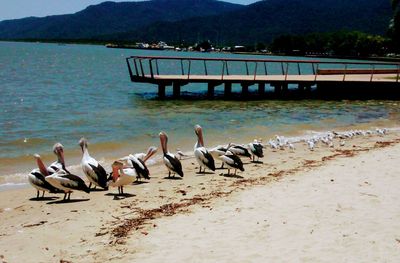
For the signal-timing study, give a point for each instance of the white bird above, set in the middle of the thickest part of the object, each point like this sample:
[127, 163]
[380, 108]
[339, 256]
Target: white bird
[172, 163]
[67, 183]
[203, 157]
[272, 144]
[311, 145]
[292, 147]
[233, 161]
[180, 154]
[121, 176]
[342, 143]
[95, 173]
[37, 178]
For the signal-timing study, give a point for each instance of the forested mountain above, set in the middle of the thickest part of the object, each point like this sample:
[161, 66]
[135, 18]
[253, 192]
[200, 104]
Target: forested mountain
[195, 20]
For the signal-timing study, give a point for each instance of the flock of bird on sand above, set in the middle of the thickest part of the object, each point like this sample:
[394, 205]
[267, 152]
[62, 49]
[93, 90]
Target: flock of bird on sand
[57, 179]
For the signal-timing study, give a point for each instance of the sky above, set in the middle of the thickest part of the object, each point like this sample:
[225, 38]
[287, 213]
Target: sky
[12, 9]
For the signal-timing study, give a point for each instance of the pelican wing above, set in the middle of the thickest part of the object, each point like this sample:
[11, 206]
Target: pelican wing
[173, 164]
[74, 182]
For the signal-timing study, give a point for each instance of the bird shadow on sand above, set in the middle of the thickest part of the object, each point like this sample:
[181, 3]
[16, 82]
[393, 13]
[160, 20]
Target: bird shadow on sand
[203, 173]
[172, 178]
[257, 162]
[41, 199]
[68, 201]
[98, 189]
[120, 196]
[232, 176]
[139, 182]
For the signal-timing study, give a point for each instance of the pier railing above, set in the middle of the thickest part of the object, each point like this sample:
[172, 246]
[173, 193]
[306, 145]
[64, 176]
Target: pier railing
[152, 69]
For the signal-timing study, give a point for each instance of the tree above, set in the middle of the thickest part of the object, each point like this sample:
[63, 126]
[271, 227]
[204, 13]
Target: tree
[394, 28]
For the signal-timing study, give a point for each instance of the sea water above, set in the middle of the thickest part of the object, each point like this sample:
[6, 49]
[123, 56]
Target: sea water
[59, 93]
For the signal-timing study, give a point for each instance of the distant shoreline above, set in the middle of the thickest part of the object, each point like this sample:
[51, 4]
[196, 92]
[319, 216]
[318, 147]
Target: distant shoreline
[103, 43]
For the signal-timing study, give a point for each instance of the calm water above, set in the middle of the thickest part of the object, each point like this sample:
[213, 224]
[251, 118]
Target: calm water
[53, 93]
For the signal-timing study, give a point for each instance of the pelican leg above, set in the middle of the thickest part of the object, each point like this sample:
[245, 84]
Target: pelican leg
[235, 171]
[119, 190]
[122, 190]
[94, 188]
[65, 195]
[169, 174]
[222, 165]
[199, 169]
[253, 158]
[43, 195]
[229, 171]
[69, 196]
[37, 194]
[90, 185]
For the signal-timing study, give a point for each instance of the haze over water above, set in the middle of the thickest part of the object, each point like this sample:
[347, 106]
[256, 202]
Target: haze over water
[53, 93]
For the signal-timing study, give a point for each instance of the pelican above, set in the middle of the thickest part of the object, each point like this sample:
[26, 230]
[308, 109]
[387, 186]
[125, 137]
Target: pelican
[256, 149]
[239, 150]
[139, 164]
[218, 151]
[92, 169]
[37, 178]
[67, 183]
[121, 176]
[58, 150]
[171, 161]
[233, 161]
[203, 157]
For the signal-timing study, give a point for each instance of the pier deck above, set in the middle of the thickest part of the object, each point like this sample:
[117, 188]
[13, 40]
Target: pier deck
[364, 79]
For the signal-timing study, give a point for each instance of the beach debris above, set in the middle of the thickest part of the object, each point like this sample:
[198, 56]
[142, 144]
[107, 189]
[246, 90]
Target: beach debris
[37, 224]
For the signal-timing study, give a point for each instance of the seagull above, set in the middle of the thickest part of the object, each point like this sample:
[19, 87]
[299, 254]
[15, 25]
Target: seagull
[311, 145]
[342, 143]
[291, 146]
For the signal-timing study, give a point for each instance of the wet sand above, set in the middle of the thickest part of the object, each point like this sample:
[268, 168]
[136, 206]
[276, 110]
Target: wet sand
[329, 204]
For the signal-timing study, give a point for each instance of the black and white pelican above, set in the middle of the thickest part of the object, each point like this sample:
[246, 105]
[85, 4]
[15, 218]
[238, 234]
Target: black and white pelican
[139, 163]
[203, 157]
[95, 173]
[239, 150]
[37, 178]
[233, 161]
[256, 149]
[218, 151]
[67, 183]
[121, 176]
[59, 164]
[170, 160]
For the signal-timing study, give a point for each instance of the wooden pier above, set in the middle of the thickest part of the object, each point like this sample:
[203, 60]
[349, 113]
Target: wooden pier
[292, 79]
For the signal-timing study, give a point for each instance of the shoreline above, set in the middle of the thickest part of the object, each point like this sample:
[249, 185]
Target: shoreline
[103, 43]
[17, 179]
[102, 226]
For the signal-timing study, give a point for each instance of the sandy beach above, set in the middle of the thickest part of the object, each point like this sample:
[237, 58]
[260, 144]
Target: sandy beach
[329, 205]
